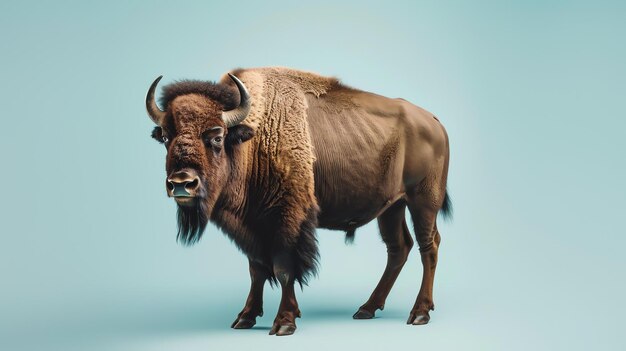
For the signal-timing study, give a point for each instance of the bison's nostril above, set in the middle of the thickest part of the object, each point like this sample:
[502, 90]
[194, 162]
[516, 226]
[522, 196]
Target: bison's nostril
[170, 186]
[192, 185]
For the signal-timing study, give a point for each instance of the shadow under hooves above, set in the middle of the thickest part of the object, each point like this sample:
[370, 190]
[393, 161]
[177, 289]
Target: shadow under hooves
[344, 313]
[257, 327]
[254, 327]
[328, 313]
[261, 328]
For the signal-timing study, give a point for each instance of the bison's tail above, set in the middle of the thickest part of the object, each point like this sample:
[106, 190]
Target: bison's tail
[350, 236]
[446, 208]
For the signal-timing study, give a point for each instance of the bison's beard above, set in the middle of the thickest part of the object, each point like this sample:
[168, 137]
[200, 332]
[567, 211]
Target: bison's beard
[192, 221]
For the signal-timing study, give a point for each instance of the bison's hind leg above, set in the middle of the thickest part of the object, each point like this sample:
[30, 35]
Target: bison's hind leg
[424, 206]
[396, 236]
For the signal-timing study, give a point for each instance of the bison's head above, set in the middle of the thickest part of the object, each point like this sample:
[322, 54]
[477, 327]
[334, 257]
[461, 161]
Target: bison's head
[200, 128]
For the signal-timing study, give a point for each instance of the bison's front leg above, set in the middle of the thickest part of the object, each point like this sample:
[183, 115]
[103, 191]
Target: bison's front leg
[284, 269]
[254, 304]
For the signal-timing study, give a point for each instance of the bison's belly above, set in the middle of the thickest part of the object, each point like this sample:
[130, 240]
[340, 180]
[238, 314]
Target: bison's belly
[351, 194]
[350, 211]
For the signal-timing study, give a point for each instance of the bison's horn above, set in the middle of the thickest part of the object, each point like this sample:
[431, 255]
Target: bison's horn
[238, 114]
[154, 111]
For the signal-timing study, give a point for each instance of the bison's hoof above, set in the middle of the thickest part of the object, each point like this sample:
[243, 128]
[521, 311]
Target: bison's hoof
[418, 318]
[286, 330]
[243, 323]
[282, 330]
[363, 314]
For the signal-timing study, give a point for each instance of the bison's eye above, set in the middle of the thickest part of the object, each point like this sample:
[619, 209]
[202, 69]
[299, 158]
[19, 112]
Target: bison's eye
[213, 138]
[165, 139]
[217, 141]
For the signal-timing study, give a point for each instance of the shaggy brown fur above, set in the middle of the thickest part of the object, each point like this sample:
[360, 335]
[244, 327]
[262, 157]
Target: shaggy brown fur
[282, 168]
[311, 152]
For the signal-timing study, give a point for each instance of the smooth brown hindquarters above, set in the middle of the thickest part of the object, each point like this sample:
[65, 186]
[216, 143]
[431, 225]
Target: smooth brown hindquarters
[375, 157]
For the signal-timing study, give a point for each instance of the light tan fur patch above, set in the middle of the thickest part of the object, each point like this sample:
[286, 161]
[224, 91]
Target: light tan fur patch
[282, 144]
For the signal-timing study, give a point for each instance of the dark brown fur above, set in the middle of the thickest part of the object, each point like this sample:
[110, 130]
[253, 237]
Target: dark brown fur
[224, 94]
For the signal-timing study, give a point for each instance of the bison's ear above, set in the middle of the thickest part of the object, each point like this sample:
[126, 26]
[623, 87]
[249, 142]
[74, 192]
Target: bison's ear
[239, 134]
[157, 134]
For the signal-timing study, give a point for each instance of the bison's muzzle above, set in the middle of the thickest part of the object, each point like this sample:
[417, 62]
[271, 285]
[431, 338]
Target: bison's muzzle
[183, 186]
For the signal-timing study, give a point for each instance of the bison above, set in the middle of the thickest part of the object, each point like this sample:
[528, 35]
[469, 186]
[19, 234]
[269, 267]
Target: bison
[270, 154]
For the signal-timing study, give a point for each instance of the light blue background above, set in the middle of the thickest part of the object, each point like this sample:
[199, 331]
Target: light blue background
[532, 94]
